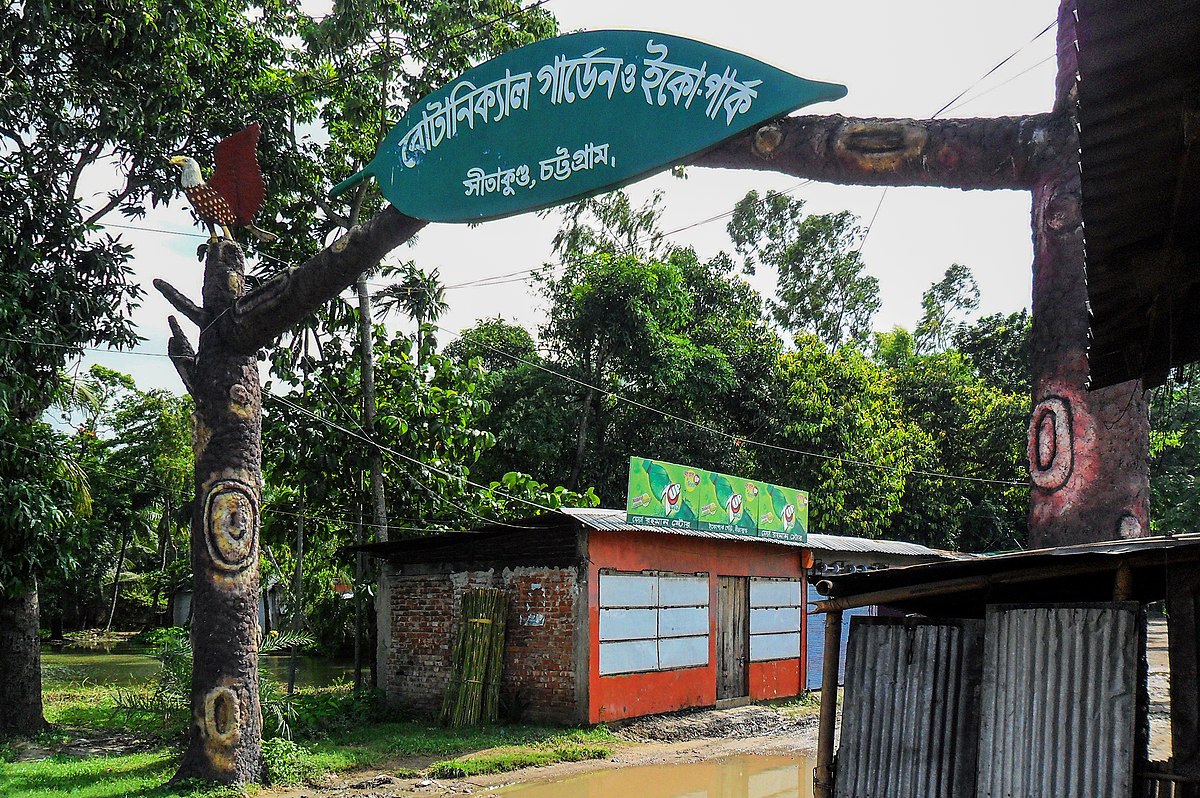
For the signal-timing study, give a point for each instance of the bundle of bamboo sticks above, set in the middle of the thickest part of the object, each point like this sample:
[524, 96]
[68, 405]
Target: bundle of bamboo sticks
[473, 694]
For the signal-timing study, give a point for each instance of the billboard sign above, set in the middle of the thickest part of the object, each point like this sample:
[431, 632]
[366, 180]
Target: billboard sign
[682, 497]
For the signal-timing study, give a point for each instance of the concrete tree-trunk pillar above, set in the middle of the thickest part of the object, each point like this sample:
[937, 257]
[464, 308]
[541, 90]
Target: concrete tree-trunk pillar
[225, 734]
[1088, 450]
[224, 739]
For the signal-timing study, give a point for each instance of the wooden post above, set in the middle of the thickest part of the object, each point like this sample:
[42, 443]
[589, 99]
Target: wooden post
[1123, 583]
[1183, 626]
[823, 774]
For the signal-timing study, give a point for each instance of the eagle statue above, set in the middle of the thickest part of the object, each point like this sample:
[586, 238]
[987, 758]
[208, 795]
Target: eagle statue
[234, 193]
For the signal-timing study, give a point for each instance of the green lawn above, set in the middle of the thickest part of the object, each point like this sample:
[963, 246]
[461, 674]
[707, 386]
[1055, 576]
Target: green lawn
[332, 733]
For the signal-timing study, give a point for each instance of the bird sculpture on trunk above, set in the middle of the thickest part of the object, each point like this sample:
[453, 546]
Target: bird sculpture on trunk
[234, 193]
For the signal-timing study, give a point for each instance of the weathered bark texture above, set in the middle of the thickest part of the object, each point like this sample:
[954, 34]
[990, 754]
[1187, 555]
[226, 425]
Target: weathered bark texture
[224, 742]
[225, 736]
[950, 153]
[1088, 452]
[20, 666]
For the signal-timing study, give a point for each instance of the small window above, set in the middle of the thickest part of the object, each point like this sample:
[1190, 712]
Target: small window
[776, 618]
[651, 622]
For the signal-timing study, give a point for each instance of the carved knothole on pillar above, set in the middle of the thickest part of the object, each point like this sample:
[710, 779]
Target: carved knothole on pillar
[231, 525]
[1051, 458]
[222, 716]
[880, 146]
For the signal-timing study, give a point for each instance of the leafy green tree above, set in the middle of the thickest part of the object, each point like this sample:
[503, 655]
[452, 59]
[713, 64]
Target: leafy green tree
[529, 407]
[430, 427]
[615, 321]
[944, 308]
[822, 289]
[971, 429]
[1174, 452]
[999, 347]
[135, 447]
[838, 405]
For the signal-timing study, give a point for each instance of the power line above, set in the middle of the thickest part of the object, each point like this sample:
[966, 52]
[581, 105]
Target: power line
[985, 75]
[141, 481]
[738, 439]
[405, 457]
[1027, 70]
[957, 97]
[429, 490]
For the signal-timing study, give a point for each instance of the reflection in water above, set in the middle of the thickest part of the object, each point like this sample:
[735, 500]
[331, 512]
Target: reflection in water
[128, 664]
[734, 777]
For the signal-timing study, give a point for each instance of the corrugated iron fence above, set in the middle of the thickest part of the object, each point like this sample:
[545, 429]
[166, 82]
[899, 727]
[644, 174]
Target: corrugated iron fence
[910, 720]
[1059, 701]
[1055, 719]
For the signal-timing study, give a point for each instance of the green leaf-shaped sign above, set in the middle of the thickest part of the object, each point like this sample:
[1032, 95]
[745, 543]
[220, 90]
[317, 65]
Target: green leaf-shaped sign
[565, 118]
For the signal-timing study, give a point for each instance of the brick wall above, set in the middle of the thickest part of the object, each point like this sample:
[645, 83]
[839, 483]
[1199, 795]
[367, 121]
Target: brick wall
[539, 673]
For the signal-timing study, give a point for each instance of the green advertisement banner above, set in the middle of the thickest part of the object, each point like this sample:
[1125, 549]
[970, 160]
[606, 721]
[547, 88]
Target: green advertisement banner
[682, 497]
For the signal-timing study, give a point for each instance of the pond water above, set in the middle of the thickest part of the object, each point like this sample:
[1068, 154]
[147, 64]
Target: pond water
[127, 664]
[732, 777]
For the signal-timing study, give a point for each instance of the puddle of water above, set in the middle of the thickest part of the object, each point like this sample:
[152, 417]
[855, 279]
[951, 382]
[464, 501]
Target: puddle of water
[733, 777]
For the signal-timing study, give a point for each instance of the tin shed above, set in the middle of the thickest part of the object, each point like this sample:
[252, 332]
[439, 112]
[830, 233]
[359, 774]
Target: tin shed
[1053, 703]
[607, 619]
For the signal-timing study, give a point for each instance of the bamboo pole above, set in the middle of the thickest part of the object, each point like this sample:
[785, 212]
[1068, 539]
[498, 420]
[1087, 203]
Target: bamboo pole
[823, 773]
[472, 695]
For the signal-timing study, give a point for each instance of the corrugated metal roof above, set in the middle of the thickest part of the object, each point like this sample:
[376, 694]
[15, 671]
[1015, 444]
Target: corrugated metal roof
[910, 717]
[614, 521]
[1139, 114]
[1059, 701]
[1068, 573]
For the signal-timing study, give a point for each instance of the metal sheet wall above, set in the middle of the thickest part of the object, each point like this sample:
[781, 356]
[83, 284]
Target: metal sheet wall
[1059, 701]
[910, 720]
[814, 643]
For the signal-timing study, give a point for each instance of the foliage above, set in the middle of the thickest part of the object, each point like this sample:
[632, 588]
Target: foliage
[941, 394]
[822, 289]
[838, 405]
[999, 347]
[135, 448]
[1174, 451]
[286, 762]
[944, 305]
[429, 421]
[169, 696]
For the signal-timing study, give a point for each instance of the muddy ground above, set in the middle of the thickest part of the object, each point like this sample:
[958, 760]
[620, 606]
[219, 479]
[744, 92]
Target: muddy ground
[662, 740]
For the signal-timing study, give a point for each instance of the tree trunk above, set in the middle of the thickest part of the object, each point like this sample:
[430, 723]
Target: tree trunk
[366, 340]
[585, 413]
[225, 736]
[21, 666]
[1088, 452]
[298, 582]
[359, 598]
[112, 606]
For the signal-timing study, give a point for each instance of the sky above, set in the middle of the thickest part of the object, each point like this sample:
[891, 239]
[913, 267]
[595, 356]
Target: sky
[897, 59]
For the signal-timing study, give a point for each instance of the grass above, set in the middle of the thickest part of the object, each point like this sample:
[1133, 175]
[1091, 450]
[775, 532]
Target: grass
[807, 704]
[334, 733]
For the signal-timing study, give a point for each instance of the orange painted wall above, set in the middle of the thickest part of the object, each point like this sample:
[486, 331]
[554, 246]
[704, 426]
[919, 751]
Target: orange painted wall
[632, 694]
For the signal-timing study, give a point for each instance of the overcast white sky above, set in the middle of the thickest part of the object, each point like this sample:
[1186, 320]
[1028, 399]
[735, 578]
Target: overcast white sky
[897, 58]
